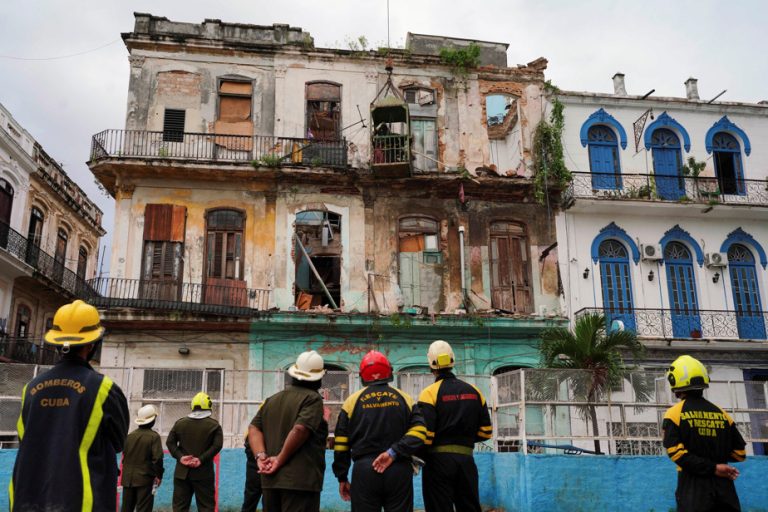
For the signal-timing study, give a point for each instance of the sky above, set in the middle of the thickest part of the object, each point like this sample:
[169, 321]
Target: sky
[64, 69]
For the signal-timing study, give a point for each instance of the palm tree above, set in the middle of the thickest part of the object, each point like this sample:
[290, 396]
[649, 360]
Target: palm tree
[596, 351]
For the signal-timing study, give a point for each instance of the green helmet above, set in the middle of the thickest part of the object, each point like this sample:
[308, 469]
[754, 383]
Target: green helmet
[687, 373]
[202, 401]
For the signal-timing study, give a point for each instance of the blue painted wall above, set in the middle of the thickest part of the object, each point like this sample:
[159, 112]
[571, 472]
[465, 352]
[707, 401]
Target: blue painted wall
[512, 482]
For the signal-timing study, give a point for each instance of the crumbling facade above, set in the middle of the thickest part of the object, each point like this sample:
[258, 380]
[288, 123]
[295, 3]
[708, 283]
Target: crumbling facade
[273, 196]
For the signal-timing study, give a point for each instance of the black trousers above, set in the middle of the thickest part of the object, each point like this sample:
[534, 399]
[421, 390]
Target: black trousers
[203, 490]
[450, 480]
[252, 492]
[706, 494]
[286, 500]
[391, 490]
[140, 499]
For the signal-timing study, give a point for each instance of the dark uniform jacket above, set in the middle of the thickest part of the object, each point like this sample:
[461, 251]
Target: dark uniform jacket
[373, 420]
[72, 425]
[698, 435]
[142, 458]
[201, 438]
[455, 413]
[295, 405]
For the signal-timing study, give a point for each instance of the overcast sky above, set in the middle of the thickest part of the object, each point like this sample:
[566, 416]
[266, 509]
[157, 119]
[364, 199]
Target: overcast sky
[62, 102]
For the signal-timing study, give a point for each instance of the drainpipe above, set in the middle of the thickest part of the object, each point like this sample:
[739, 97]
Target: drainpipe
[461, 262]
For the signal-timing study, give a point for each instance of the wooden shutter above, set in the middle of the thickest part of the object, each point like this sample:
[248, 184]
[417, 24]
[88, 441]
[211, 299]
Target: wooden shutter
[164, 222]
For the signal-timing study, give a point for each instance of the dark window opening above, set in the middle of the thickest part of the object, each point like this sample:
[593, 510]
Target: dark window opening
[82, 262]
[319, 233]
[727, 157]
[173, 125]
[323, 111]
[23, 320]
[6, 201]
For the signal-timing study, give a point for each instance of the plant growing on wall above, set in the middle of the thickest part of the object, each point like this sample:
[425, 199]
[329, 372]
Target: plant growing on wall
[268, 160]
[590, 357]
[461, 60]
[548, 161]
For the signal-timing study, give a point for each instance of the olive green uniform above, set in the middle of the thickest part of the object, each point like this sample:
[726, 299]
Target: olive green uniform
[142, 464]
[201, 438]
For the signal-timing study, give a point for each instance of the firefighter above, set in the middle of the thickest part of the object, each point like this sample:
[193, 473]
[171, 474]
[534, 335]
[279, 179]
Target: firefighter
[457, 417]
[142, 463]
[194, 441]
[701, 439]
[379, 428]
[73, 423]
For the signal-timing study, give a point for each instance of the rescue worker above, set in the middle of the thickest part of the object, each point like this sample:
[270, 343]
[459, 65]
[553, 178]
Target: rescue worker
[701, 439]
[457, 417]
[288, 437]
[194, 441]
[142, 463]
[73, 423]
[252, 491]
[379, 428]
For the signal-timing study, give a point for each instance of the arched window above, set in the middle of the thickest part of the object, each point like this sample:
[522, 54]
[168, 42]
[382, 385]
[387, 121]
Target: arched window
[82, 262]
[746, 293]
[419, 258]
[681, 284]
[23, 320]
[727, 157]
[6, 201]
[323, 111]
[224, 249]
[616, 283]
[667, 164]
[510, 282]
[604, 158]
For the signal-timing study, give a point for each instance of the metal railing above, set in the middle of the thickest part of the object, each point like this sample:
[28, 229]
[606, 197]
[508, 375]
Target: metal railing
[390, 149]
[44, 265]
[688, 324]
[28, 350]
[681, 189]
[259, 150]
[172, 295]
[530, 408]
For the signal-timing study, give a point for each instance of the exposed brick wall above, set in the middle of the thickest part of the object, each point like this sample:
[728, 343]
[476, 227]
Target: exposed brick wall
[173, 83]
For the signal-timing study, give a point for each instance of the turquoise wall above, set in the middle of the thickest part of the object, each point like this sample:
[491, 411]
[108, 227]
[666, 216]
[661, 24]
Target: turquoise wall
[513, 482]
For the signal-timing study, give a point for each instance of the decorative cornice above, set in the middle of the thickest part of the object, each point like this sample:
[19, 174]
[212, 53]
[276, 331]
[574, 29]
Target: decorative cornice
[612, 231]
[666, 121]
[680, 235]
[739, 236]
[725, 125]
[601, 117]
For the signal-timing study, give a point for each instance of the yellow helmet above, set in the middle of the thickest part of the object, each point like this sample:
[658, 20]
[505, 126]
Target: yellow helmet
[440, 355]
[202, 401]
[75, 324]
[687, 373]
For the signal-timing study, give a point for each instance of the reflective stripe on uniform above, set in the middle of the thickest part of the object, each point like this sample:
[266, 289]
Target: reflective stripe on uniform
[418, 431]
[677, 455]
[739, 455]
[452, 448]
[90, 434]
[673, 449]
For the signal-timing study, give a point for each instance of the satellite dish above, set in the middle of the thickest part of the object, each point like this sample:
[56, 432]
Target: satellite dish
[617, 325]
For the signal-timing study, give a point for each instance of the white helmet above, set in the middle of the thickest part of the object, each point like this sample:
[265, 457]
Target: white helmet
[309, 366]
[440, 355]
[147, 414]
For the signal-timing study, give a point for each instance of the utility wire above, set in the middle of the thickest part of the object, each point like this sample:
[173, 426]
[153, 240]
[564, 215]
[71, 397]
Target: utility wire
[13, 57]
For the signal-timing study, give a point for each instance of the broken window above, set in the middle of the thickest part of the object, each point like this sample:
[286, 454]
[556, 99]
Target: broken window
[224, 279]
[510, 284]
[423, 113]
[318, 233]
[501, 114]
[234, 125]
[163, 251]
[173, 125]
[420, 262]
[323, 111]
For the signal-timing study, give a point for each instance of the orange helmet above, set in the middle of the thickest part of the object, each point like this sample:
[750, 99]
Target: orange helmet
[375, 367]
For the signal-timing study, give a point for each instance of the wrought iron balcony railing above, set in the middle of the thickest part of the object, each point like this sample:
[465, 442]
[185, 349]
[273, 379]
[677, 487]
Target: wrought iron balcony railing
[687, 324]
[264, 150]
[27, 350]
[44, 265]
[680, 189]
[230, 300]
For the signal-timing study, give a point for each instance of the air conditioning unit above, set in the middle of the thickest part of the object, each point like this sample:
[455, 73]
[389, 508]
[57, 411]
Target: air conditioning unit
[651, 252]
[715, 259]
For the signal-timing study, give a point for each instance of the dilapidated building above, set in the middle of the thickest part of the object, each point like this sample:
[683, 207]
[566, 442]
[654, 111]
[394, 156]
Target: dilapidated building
[273, 196]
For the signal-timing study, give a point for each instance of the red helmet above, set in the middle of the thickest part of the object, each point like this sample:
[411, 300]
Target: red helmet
[375, 367]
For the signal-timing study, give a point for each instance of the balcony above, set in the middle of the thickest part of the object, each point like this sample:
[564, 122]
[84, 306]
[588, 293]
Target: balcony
[258, 150]
[670, 189]
[704, 324]
[25, 350]
[45, 267]
[197, 298]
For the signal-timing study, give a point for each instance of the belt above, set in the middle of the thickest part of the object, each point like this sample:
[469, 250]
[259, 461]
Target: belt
[452, 448]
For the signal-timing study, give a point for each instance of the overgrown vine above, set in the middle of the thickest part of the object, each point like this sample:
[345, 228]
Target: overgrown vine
[461, 59]
[548, 160]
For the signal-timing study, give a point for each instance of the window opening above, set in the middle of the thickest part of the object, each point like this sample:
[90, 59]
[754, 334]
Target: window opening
[727, 157]
[423, 112]
[319, 232]
[510, 282]
[420, 264]
[173, 125]
[224, 278]
[234, 124]
[6, 201]
[23, 320]
[82, 262]
[323, 111]
[162, 259]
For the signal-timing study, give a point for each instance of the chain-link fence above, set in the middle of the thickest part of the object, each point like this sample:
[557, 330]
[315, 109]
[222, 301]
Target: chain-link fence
[532, 410]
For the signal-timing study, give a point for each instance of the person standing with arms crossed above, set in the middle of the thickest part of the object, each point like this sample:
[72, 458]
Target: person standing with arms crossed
[457, 417]
[142, 463]
[194, 441]
[701, 439]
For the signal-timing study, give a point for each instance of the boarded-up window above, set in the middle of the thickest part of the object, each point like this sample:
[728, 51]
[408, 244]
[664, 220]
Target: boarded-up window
[510, 284]
[235, 121]
[323, 111]
[162, 260]
[420, 260]
[173, 125]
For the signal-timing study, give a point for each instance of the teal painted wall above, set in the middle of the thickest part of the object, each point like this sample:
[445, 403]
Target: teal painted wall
[513, 482]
